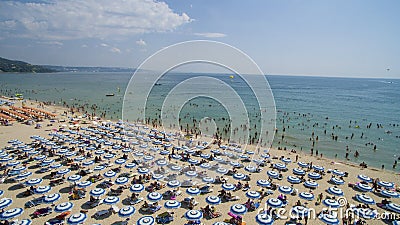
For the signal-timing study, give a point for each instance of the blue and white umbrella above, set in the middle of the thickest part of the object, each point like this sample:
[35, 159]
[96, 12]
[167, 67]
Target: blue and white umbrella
[23, 222]
[337, 181]
[157, 176]
[209, 180]
[314, 175]
[143, 170]
[162, 162]
[127, 211]
[24, 175]
[393, 207]
[228, 187]
[253, 194]
[111, 200]
[13, 163]
[222, 170]
[385, 184]
[120, 161]
[74, 178]
[42, 189]
[331, 203]
[293, 180]
[79, 158]
[193, 191]
[5, 202]
[63, 207]
[205, 165]
[176, 168]
[311, 184]
[110, 174]
[299, 212]
[364, 178]
[280, 166]
[193, 215]
[302, 164]
[88, 163]
[146, 220]
[99, 168]
[154, 196]
[51, 198]
[390, 194]
[363, 187]
[191, 173]
[285, 189]
[11, 213]
[172, 204]
[63, 171]
[335, 191]
[173, 184]
[329, 219]
[318, 168]
[193, 161]
[250, 168]
[97, 192]
[99, 152]
[306, 195]
[286, 160]
[365, 213]
[238, 209]
[84, 184]
[121, 180]
[148, 158]
[274, 202]
[365, 199]
[263, 183]
[40, 157]
[273, 174]
[109, 156]
[298, 171]
[338, 173]
[1, 192]
[239, 176]
[130, 165]
[33, 181]
[264, 219]
[213, 200]
[77, 218]
[137, 188]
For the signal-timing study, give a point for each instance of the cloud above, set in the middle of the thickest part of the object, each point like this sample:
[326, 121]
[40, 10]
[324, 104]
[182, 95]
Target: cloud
[51, 43]
[77, 19]
[84, 46]
[115, 50]
[210, 35]
[104, 45]
[141, 42]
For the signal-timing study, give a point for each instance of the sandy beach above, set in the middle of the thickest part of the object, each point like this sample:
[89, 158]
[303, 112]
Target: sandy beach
[23, 133]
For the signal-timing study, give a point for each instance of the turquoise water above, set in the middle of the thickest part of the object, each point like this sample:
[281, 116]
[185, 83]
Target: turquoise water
[304, 105]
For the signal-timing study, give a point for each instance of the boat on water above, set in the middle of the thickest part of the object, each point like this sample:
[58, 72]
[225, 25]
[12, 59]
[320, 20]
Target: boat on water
[110, 95]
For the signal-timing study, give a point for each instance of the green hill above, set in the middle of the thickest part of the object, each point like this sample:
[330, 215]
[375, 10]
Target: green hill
[13, 66]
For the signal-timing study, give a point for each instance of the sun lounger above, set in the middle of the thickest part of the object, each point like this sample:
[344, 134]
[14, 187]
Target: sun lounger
[54, 222]
[165, 217]
[101, 213]
[42, 212]
[34, 202]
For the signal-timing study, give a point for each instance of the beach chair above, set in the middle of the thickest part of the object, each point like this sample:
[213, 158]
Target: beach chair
[206, 189]
[165, 217]
[102, 213]
[54, 221]
[42, 212]
[34, 202]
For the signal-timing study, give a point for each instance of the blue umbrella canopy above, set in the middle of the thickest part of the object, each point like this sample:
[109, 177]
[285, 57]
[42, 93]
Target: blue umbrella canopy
[299, 212]
[274, 202]
[311, 184]
[146, 220]
[337, 181]
[51, 198]
[5, 202]
[111, 200]
[110, 174]
[42, 189]
[386, 184]
[365, 213]
[393, 207]
[285, 189]
[208, 179]
[33, 182]
[136, 188]
[154, 196]
[121, 180]
[273, 174]
[84, 184]
[253, 194]
[213, 200]
[331, 203]
[77, 218]
[228, 187]
[97, 192]
[193, 215]
[363, 187]
[314, 175]
[335, 191]
[172, 204]
[11, 213]
[306, 195]
[365, 199]
[193, 191]
[74, 178]
[239, 176]
[238, 209]
[364, 178]
[263, 183]
[329, 219]
[127, 211]
[293, 180]
[63, 207]
[390, 194]
[264, 219]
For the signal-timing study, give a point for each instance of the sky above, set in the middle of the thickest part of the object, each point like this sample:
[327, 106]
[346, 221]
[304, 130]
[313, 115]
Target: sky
[341, 38]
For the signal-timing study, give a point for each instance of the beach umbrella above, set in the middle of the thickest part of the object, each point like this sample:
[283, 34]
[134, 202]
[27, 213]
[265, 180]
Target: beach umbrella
[23, 222]
[263, 183]
[108, 156]
[79, 158]
[318, 168]
[338, 173]
[77, 218]
[264, 219]
[111, 200]
[193, 191]
[154, 196]
[274, 202]
[191, 173]
[157, 176]
[146, 220]
[164, 152]
[335, 191]
[331, 203]
[390, 194]
[5, 202]
[228, 187]
[84, 184]
[337, 181]
[314, 175]
[385, 184]
[393, 207]
[176, 168]
[161, 162]
[19, 168]
[193, 215]
[299, 212]
[148, 157]
[363, 187]
[280, 166]
[63, 171]
[193, 161]
[120, 161]
[143, 170]
[238, 209]
[205, 165]
[137, 188]
[51, 198]
[311, 184]
[40, 157]
[1, 192]
[172, 204]
[222, 170]
[121, 180]
[293, 180]
[74, 178]
[253, 194]
[97, 192]
[173, 184]
[365, 213]
[99, 152]
[11, 213]
[126, 211]
[286, 160]
[33, 182]
[285, 189]
[177, 157]
[365, 199]
[250, 168]
[63, 207]
[364, 178]
[42, 189]
[208, 179]
[99, 168]
[273, 174]
[126, 150]
[306, 195]
[13, 163]
[239, 176]
[329, 219]
[110, 174]
[302, 164]
[213, 200]
[55, 166]
[130, 165]
[69, 154]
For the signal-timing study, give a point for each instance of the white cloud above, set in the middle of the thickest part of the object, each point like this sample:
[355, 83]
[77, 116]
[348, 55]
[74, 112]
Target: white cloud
[77, 19]
[210, 35]
[84, 46]
[115, 50]
[104, 45]
[51, 43]
[141, 42]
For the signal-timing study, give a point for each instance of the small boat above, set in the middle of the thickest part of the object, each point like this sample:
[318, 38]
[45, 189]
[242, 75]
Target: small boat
[110, 95]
